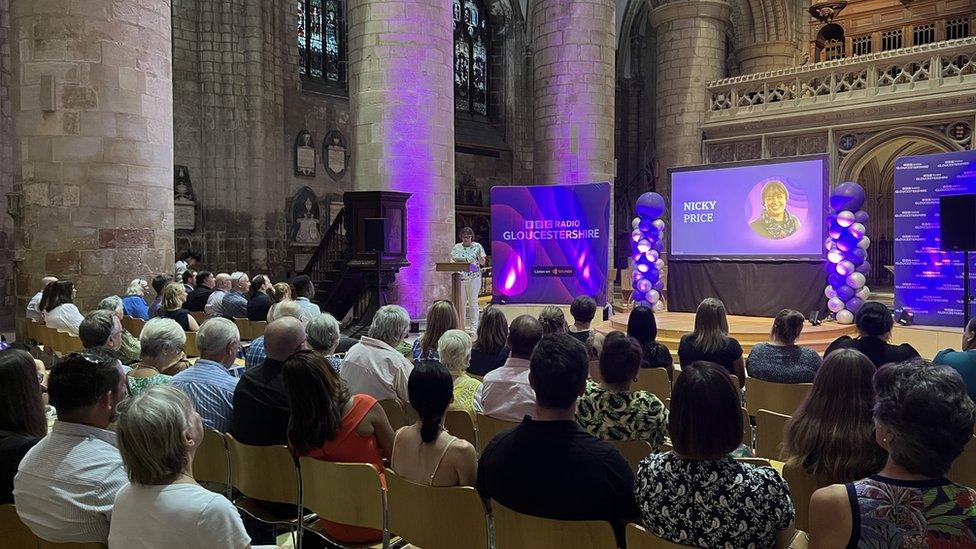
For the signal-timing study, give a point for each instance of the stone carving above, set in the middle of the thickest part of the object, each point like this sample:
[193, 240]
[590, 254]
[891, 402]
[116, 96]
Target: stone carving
[959, 131]
[721, 152]
[305, 218]
[184, 201]
[782, 146]
[336, 154]
[812, 144]
[748, 150]
[304, 155]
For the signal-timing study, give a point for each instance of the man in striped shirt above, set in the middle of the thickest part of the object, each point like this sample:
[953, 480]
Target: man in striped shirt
[208, 383]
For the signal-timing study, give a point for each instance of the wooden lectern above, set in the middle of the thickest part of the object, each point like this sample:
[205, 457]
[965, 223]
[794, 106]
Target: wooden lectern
[456, 268]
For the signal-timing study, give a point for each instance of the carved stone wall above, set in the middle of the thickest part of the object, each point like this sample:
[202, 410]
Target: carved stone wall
[6, 180]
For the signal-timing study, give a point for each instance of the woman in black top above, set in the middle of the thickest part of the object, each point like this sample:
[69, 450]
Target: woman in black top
[874, 323]
[259, 302]
[490, 350]
[22, 421]
[174, 296]
[711, 342]
[642, 326]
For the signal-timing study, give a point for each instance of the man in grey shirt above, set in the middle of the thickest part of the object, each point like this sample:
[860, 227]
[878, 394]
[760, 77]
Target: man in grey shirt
[234, 303]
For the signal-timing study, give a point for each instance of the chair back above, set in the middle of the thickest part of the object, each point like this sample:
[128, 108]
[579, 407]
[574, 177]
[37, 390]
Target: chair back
[212, 461]
[32, 331]
[460, 424]
[257, 328]
[394, 412]
[655, 381]
[244, 327]
[632, 450]
[802, 486]
[514, 530]
[347, 493]
[435, 517]
[72, 343]
[746, 427]
[488, 427]
[133, 325]
[639, 538]
[13, 531]
[770, 430]
[191, 344]
[199, 316]
[963, 470]
[263, 472]
[782, 398]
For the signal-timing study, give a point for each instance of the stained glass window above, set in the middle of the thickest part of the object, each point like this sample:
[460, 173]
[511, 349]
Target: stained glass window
[321, 40]
[470, 57]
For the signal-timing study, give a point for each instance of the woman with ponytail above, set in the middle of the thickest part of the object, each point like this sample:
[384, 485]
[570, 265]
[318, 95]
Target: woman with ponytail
[425, 452]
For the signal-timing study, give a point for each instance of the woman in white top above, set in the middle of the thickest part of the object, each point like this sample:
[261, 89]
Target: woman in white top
[58, 308]
[425, 452]
[471, 252]
[159, 432]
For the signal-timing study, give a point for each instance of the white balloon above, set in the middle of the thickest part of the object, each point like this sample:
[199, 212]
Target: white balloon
[856, 281]
[864, 243]
[659, 306]
[634, 222]
[864, 293]
[659, 264]
[844, 316]
[830, 292]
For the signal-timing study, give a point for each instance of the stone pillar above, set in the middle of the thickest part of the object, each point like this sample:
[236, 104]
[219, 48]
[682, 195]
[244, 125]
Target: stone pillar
[93, 143]
[690, 53]
[766, 56]
[401, 94]
[574, 54]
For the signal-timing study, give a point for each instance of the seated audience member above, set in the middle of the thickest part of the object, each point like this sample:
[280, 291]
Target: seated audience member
[874, 323]
[66, 484]
[186, 260]
[373, 366]
[197, 300]
[594, 346]
[22, 419]
[323, 338]
[710, 341]
[490, 349]
[831, 434]
[260, 406]
[208, 382]
[548, 466]
[454, 349]
[189, 279]
[159, 434]
[329, 423]
[128, 350]
[235, 301]
[259, 300]
[215, 303]
[255, 352]
[174, 296]
[303, 293]
[441, 317]
[134, 300]
[610, 410]
[506, 393]
[159, 283]
[59, 309]
[282, 293]
[162, 341]
[583, 309]
[699, 495]
[781, 360]
[923, 418]
[425, 452]
[963, 361]
[101, 328]
[33, 306]
[552, 320]
[642, 326]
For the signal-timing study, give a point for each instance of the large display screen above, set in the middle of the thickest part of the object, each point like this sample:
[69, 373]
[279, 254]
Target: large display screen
[549, 244]
[768, 209]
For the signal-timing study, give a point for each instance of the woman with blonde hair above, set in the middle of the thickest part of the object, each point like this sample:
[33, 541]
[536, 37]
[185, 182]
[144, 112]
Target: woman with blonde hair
[441, 317]
[711, 342]
[281, 293]
[134, 301]
[490, 349]
[553, 320]
[174, 296]
[454, 349]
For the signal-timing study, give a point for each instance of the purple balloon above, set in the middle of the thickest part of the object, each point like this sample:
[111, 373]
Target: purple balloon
[858, 255]
[847, 196]
[652, 276]
[861, 217]
[659, 285]
[845, 292]
[644, 285]
[854, 303]
[835, 231]
[645, 225]
[845, 267]
[864, 268]
[658, 246]
[846, 242]
[650, 205]
[637, 296]
[835, 279]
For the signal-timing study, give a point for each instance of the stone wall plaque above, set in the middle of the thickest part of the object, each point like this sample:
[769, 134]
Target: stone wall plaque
[335, 150]
[184, 201]
[305, 218]
[304, 155]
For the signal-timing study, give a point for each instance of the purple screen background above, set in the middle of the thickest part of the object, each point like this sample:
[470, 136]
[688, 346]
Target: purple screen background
[929, 282]
[737, 191]
[513, 261]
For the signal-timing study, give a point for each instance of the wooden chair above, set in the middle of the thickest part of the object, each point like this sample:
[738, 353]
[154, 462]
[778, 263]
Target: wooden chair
[626, 290]
[802, 486]
[72, 343]
[655, 381]
[746, 427]
[513, 530]
[435, 517]
[257, 328]
[488, 427]
[963, 470]
[13, 531]
[265, 473]
[394, 412]
[347, 493]
[33, 331]
[632, 450]
[133, 325]
[460, 424]
[770, 429]
[199, 316]
[52, 343]
[782, 398]
[212, 461]
[190, 349]
[639, 538]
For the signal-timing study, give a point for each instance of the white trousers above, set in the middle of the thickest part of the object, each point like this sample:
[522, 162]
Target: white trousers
[470, 289]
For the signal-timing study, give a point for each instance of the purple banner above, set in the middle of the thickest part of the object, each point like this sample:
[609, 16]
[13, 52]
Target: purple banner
[929, 282]
[549, 244]
[757, 210]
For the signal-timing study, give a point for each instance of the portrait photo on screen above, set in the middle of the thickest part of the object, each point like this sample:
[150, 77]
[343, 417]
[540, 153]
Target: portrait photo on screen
[751, 210]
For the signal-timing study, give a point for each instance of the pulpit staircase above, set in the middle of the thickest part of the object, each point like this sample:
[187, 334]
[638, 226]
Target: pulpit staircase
[338, 287]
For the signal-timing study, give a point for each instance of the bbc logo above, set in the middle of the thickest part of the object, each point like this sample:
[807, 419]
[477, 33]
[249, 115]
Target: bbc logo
[538, 224]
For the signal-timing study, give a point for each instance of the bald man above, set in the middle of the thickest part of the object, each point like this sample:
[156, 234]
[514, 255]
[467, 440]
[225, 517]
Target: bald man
[260, 406]
[215, 302]
[286, 309]
[33, 313]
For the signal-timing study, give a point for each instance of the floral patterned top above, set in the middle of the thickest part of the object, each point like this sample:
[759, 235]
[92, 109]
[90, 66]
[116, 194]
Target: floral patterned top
[140, 384]
[908, 514]
[611, 415]
[469, 254]
[464, 390]
[712, 503]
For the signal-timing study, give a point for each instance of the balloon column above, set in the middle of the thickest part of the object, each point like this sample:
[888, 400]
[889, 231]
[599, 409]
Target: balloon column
[847, 247]
[647, 244]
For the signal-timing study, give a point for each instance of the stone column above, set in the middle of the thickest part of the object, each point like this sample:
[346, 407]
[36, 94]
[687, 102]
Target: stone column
[93, 143]
[766, 56]
[401, 94]
[574, 54]
[690, 53]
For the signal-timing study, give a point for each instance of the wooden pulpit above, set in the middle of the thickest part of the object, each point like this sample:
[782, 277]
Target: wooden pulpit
[456, 268]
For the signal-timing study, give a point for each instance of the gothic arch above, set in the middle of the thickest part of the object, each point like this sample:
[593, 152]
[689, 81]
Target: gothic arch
[865, 152]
